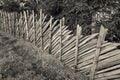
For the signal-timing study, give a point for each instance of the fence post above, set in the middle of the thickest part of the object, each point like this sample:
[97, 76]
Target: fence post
[101, 38]
[60, 36]
[26, 26]
[34, 28]
[1, 20]
[5, 21]
[78, 34]
[41, 29]
[9, 19]
[50, 35]
[14, 24]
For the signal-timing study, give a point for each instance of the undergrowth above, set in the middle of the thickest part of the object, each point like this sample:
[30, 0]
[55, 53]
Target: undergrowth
[20, 60]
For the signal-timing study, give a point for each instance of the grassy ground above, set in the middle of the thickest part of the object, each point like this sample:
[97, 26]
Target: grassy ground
[20, 60]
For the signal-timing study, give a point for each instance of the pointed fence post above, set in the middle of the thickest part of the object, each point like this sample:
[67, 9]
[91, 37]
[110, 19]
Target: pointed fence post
[26, 26]
[9, 24]
[50, 35]
[101, 38]
[60, 54]
[41, 29]
[34, 27]
[78, 34]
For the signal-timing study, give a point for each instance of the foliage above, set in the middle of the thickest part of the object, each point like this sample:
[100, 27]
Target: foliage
[82, 12]
[20, 60]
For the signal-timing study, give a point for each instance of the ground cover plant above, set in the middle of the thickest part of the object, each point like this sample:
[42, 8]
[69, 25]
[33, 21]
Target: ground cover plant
[20, 60]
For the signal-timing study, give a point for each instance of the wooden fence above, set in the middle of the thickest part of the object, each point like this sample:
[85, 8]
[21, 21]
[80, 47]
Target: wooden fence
[91, 55]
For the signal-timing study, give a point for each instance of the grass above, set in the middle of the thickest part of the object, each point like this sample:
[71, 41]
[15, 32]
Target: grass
[20, 60]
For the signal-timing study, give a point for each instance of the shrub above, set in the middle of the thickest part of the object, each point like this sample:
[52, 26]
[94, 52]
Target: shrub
[20, 60]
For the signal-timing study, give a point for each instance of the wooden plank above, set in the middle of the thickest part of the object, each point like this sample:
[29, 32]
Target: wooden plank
[26, 26]
[78, 35]
[69, 57]
[54, 52]
[54, 24]
[68, 54]
[55, 29]
[41, 30]
[90, 55]
[109, 54]
[30, 21]
[60, 46]
[112, 77]
[46, 26]
[98, 49]
[88, 39]
[66, 39]
[44, 18]
[70, 46]
[88, 46]
[110, 73]
[66, 42]
[56, 35]
[54, 47]
[108, 69]
[64, 28]
[108, 60]
[66, 33]
[50, 36]
[109, 64]
[87, 59]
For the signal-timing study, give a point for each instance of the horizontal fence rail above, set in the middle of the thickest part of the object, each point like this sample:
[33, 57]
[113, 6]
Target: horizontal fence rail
[91, 55]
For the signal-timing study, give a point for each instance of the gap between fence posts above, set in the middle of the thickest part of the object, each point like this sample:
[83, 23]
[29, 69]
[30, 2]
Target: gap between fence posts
[101, 38]
[78, 34]
[50, 35]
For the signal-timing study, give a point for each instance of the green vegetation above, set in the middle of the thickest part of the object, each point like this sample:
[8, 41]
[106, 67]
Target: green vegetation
[20, 60]
[83, 12]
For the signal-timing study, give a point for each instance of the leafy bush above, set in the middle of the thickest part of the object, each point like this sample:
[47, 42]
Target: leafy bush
[80, 12]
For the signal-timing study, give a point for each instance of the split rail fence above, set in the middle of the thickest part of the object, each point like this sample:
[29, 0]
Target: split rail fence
[91, 55]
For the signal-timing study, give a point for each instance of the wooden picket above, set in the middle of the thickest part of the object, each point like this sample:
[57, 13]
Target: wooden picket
[91, 55]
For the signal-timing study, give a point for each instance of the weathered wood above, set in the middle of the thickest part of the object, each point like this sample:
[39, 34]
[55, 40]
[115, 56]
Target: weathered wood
[60, 47]
[110, 73]
[72, 45]
[108, 69]
[88, 39]
[41, 30]
[50, 36]
[78, 34]
[55, 29]
[112, 77]
[68, 54]
[67, 43]
[98, 49]
[26, 26]
[90, 55]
